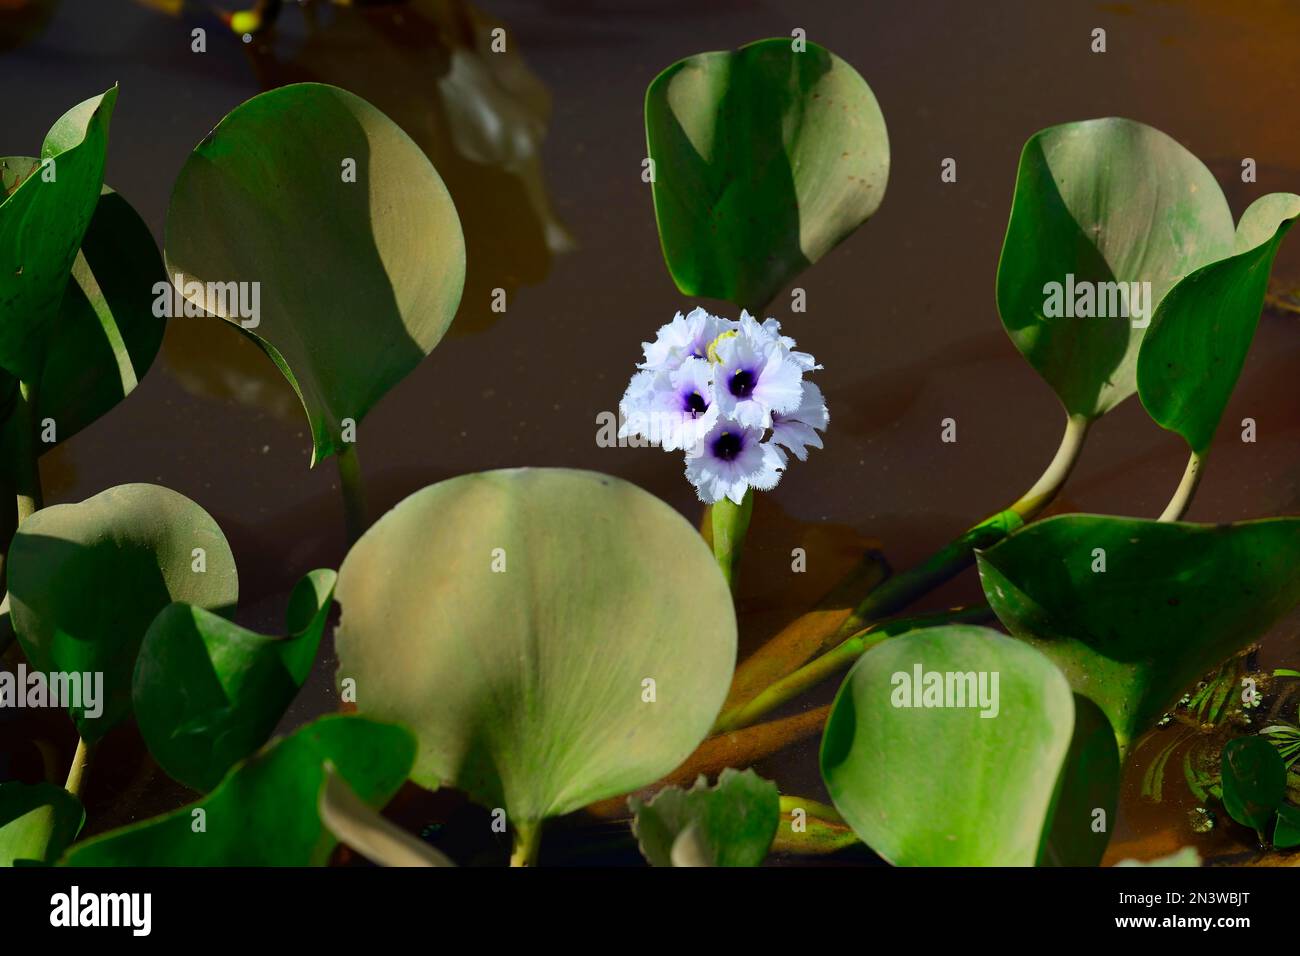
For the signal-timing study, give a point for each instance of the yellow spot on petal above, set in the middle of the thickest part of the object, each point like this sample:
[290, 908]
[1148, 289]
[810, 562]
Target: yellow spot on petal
[712, 350]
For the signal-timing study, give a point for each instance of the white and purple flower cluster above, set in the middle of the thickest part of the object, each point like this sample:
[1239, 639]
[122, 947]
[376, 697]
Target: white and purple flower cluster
[732, 395]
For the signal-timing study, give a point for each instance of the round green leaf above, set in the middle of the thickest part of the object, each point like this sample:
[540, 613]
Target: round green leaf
[86, 581]
[1104, 201]
[106, 334]
[1254, 781]
[358, 276]
[37, 821]
[42, 221]
[1173, 601]
[1197, 344]
[964, 778]
[208, 692]
[764, 159]
[730, 824]
[265, 812]
[553, 637]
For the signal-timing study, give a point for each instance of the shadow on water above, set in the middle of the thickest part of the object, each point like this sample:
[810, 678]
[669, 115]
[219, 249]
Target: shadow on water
[479, 114]
[454, 80]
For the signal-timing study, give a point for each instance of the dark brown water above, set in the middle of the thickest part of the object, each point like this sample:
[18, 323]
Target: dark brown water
[902, 314]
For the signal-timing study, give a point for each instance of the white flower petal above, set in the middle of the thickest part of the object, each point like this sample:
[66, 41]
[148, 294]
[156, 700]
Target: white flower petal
[669, 342]
[812, 408]
[780, 384]
[755, 464]
[795, 436]
[768, 473]
[635, 406]
[752, 414]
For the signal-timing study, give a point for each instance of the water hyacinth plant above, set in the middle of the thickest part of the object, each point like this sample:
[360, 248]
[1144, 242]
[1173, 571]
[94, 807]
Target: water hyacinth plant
[1107, 205]
[554, 647]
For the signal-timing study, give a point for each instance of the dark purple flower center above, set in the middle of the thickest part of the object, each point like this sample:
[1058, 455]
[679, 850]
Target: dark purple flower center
[726, 446]
[694, 403]
[742, 383]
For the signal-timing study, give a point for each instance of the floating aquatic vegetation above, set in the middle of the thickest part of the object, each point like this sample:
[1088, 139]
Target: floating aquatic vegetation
[545, 639]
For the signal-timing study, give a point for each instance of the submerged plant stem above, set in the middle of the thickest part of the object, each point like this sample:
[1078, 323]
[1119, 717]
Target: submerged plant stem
[902, 589]
[528, 838]
[729, 523]
[1182, 499]
[354, 498]
[839, 658]
[27, 468]
[77, 772]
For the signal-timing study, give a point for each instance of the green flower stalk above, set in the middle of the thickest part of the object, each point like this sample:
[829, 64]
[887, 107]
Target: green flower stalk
[729, 522]
[734, 397]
